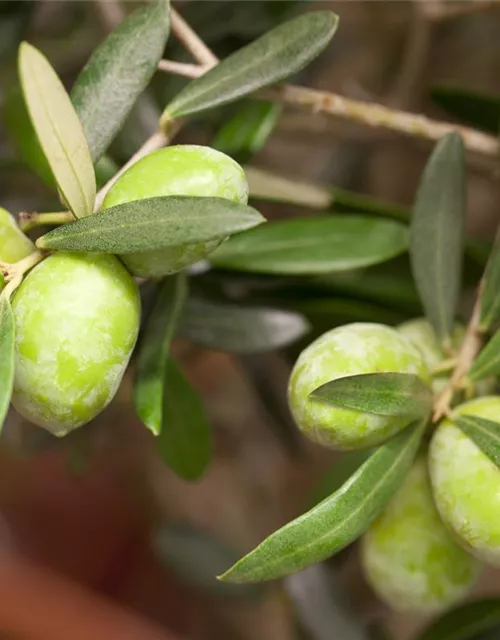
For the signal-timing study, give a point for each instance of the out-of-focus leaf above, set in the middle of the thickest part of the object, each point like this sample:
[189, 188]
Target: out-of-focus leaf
[58, 130]
[118, 72]
[14, 20]
[105, 169]
[153, 223]
[437, 233]
[385, 394]
[314, 245]
[335, 522]
[485, 433]
[490, 295]
[487, 364]
[464, 622]
[238, 329]
[338, 474]
[271, 58]
[351, 202]
[265, 185]
[7, 338]
[476, 109]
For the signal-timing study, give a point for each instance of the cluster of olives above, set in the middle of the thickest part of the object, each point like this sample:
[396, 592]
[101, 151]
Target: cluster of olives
[77, 315]
[425, 550]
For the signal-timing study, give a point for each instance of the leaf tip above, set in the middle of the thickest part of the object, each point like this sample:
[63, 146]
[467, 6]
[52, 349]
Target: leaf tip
[41, 243]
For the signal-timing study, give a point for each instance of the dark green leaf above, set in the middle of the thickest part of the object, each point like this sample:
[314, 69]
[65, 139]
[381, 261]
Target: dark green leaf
[464, 622]
[58, 130]
[240, 329]
[248, 130]
[352, 202]
[185, 441]
[479, 110]
[6, 356]
[314, 245]
[197, 558]
[385, 394]
[490, 294]
[105, 169]
[118, 72]
[487, 364]
[149, 380]
[338, 474]
[437, 233]
[485, 433]
[271, 58]
[153, 223]
[335, 522]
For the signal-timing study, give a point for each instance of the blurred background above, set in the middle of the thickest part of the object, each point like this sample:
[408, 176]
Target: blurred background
[98, 538]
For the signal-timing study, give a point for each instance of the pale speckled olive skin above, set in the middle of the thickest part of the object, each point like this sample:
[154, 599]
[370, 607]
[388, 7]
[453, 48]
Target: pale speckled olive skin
[187, 170]
[349, 350]
[410, 558]
[77, 319]
[466, 484]
[14, 245]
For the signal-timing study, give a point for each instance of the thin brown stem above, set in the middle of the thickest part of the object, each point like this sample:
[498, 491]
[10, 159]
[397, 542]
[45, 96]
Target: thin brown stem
[191, 41]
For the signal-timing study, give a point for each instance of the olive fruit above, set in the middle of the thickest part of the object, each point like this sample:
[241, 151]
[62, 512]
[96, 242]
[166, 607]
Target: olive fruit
[14, 245]
[349, 350]
[187, 170]
[466, 483]
[77, 319]
[409, 557]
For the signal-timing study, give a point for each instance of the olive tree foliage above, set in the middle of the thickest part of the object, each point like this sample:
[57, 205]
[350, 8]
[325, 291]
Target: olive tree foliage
[332, 263]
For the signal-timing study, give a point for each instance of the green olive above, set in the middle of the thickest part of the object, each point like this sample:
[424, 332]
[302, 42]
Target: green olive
[77, 319]
[409, 558]
[349, 350]
[14, 245]
[187, 170]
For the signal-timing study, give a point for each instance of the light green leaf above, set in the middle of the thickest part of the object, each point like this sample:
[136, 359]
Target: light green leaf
[464, 622]
[185, 441]
[149, 380]
[437, 233]
[385, 394]
[153, 223]
[271, 58]
[6, 356]
[335, 522]
[485, 433]
[238, 329]
[118, 72]
[314, 245]
[58, 130]
[490, 294]
[487, 364]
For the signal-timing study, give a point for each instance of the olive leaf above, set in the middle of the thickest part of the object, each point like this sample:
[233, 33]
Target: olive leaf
[489, 313]
[480, 110]
[149, 383]
[336, 521]
[484, 433]
[487, 364]
[118, 72]
[313, 245]
[238, 329]
[6, 356]
[269, 186]
[437, 233]
[464, 622]
[153, 223]
[276, 55]
[351, 202]
[58, 130]
[385, 394]
[185, 440]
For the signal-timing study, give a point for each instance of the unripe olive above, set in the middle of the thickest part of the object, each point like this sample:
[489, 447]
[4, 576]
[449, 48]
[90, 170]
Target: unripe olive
[466, 483]
[187, 170]
[349, 350]
[14, 245]
[409, 557]
[77, 319]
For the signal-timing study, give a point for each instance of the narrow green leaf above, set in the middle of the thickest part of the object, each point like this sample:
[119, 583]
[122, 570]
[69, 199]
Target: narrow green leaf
[464, 622]
[351, 202]
[314, 245]
[485, 433]
[149, 380]
[58, 130]
[271, 58]
[238, 329]
[7, 341]
[118, 72]
[248, 130]
[479, 110]
[490, 294]
[385, 394]
[335, 522]
[437, 233]
[153, 223]
[487, 364]
[185, 441]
